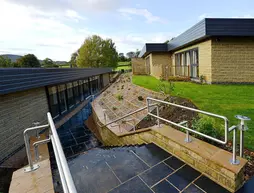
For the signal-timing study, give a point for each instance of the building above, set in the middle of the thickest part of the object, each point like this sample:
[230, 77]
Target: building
[27, 94]
[219, 50]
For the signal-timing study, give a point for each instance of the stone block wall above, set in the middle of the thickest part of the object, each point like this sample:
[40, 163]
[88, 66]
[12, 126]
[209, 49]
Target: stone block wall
[159, 63]
[17, 112]
[233, 60]
[138, 66]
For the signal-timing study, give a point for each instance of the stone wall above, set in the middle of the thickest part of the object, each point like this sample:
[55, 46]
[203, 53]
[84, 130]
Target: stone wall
[233, 60]
[18, 111]
[159, 63]
[138, 66]
[105, 79]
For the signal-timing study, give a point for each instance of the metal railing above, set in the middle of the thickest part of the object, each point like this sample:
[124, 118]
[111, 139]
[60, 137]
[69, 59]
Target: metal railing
[184, 125]
[127, 115]
[242, 127]
[65, 175]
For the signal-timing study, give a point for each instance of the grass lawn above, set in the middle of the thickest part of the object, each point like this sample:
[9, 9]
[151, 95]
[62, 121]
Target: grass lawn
[124, 63]
[123, 67]
[227, 100]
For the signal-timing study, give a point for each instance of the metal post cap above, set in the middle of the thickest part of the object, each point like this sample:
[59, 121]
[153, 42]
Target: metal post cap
[241, 117]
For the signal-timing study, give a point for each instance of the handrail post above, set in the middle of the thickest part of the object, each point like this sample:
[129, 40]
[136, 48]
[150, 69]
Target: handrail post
[158, 120]
[242, 129]
[36, 124]
[234, 161]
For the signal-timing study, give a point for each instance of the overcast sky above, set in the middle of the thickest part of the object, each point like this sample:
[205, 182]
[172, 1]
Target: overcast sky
[57, 28]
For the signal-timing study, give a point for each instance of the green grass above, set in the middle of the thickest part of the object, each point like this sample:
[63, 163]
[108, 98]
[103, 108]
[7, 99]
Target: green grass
[124, 63]
[227, 100]
[123, 67]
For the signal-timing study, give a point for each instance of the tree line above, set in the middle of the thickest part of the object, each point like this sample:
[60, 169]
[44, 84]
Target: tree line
[94, 52]
[27, 61]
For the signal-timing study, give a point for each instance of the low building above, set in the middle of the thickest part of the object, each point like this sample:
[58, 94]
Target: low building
[27, 94]
[218, 50]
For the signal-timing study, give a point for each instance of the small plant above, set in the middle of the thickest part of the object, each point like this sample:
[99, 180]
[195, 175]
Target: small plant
[140, 98]
[202, 79]
[114, 108]
[166, 89]
[122, 86]
[119, 97]
[205, 125]
[147, 118]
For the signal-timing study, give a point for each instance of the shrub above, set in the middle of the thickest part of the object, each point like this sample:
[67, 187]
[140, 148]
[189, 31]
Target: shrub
[165, 88]
[179, 78]
[202, 79]
[119, 97]
[206, 125]
[140, 98]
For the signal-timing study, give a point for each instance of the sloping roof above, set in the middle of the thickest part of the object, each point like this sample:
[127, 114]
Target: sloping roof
[210, 27]
[153, 47]
[18, 79]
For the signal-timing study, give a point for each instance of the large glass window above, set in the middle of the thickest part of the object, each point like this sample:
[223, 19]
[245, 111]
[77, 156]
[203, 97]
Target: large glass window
[70, 94]
[76, 92]
[81, 90]
[53, 101]
[94, 81]
[186, 63]
[62, 97]
[86, 88]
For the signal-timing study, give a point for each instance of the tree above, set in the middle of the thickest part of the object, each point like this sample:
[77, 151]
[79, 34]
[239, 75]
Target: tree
[5, 62]
[97, 52]
[48, 63]
[28, 60]
[137, 53]
[131, 54]
[73, 61]
[121, 57]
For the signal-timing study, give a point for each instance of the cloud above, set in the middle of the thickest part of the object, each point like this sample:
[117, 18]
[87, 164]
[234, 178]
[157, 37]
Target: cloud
[74, 15]
[55, 33]
[150, 18]
[77, 5]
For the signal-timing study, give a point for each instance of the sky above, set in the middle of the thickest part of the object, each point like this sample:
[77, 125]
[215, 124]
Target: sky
[57, 28]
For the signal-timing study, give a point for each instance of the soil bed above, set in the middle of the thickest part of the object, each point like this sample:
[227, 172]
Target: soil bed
[171, 113]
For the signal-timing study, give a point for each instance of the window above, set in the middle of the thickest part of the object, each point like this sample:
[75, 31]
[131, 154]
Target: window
[94, 84]
[53, 101]
[76, 92]
[186, 63]
[70, 94]
[62, 98]
[81, 90]
[86, 88]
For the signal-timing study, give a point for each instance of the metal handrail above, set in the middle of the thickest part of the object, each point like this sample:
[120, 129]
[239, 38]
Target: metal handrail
[65, 174]
[127, 115]
[189, 129]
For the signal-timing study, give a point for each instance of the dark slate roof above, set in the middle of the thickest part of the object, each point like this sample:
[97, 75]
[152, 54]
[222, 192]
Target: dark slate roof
[210, 27]
[153, 47]
[18, 79]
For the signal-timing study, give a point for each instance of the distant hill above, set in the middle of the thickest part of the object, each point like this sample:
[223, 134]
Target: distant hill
[12, 57]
